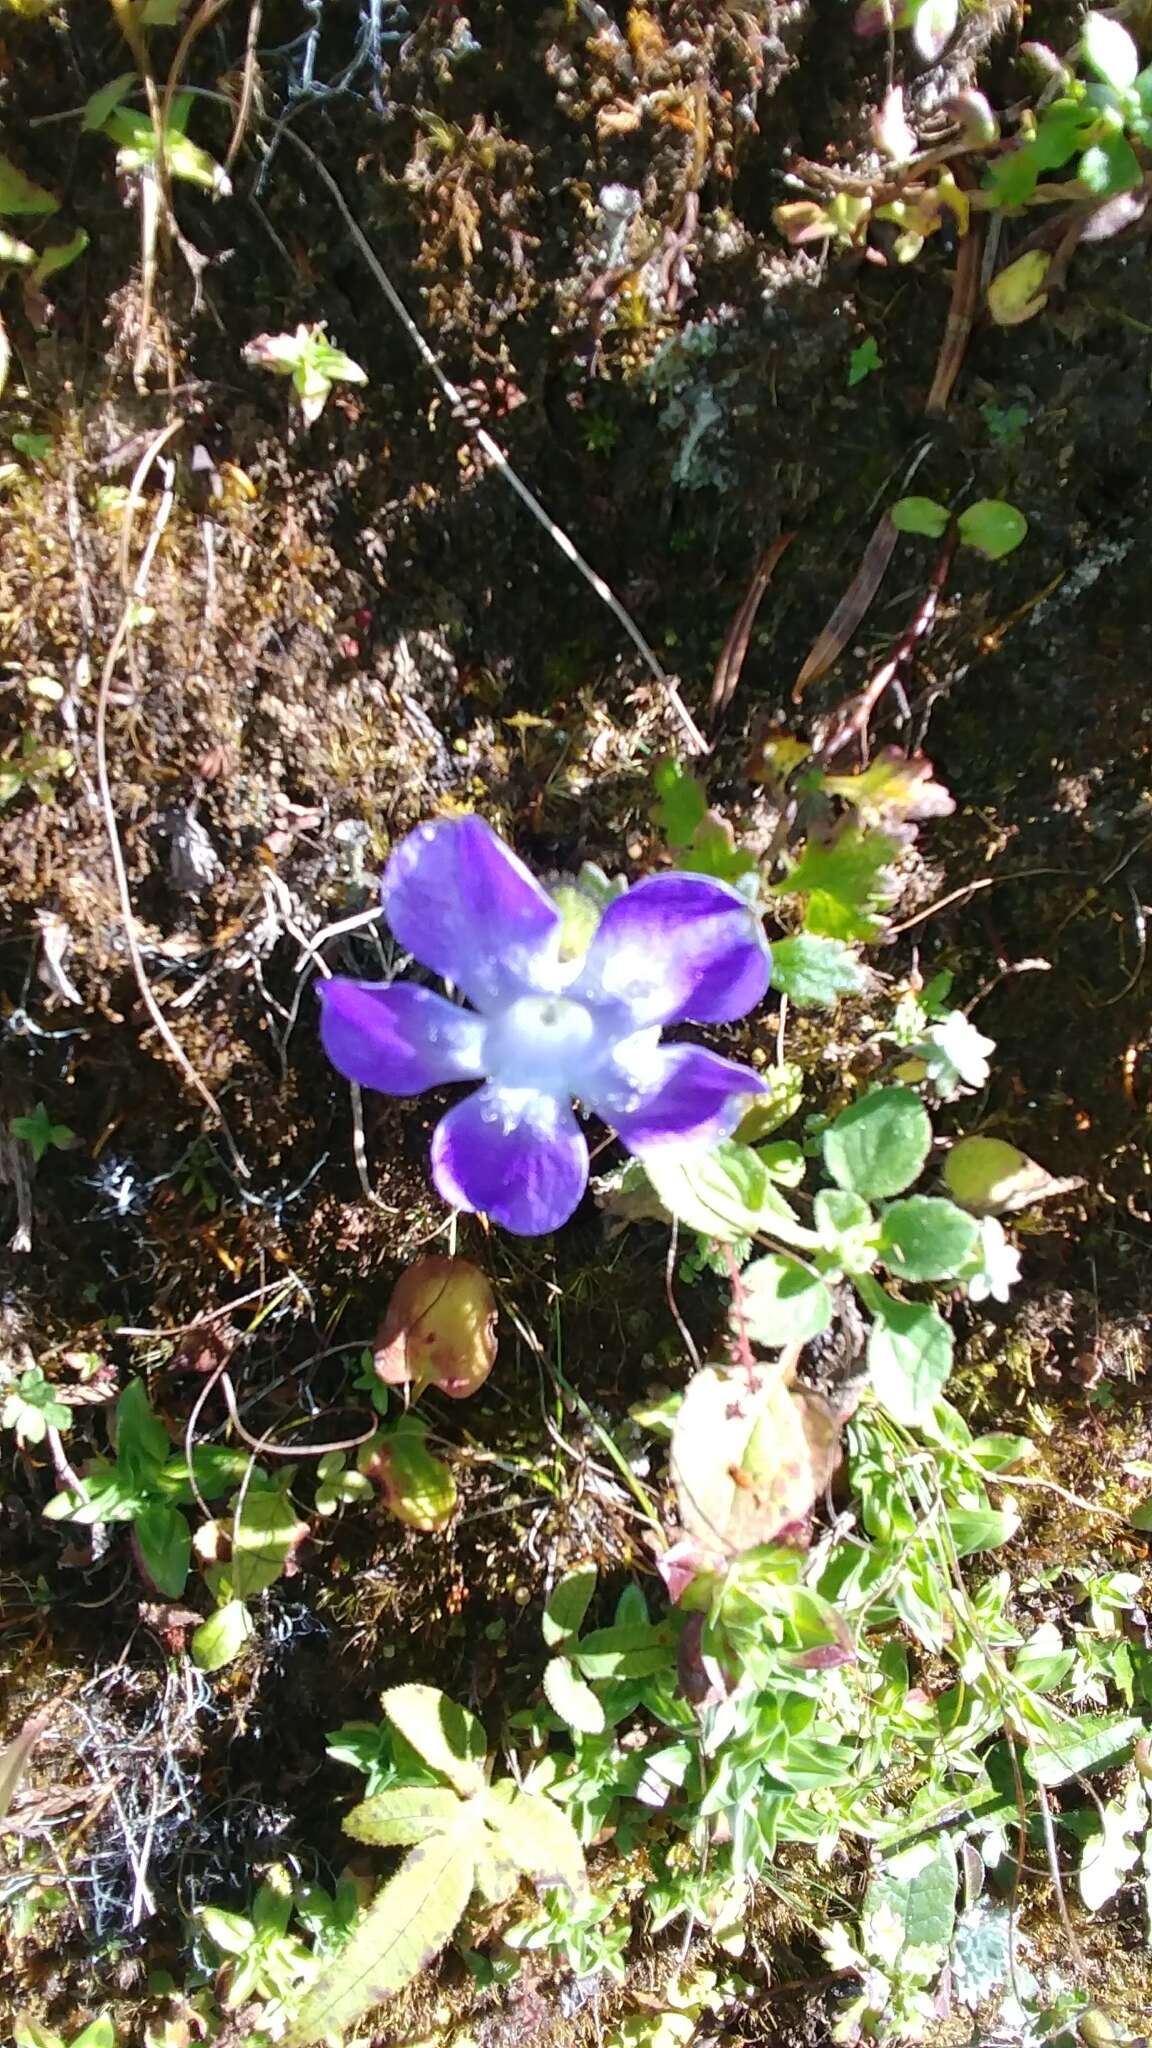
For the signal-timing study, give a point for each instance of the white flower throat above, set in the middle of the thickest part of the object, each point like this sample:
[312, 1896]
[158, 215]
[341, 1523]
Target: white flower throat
[544, 1042]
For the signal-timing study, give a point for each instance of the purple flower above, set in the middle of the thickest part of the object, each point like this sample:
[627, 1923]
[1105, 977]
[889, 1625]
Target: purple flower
[544, 1027]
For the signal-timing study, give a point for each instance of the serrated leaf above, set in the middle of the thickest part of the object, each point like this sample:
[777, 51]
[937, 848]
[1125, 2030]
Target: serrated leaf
[909, 1359]
[537, 1836]
[911, 1904]
[18, 194]
[221, 1638]
[926, 1238]
[567, 1605]
[571, 1698]
[449, 1738]
[782, 1302]
[408, 1923]
[496, 1877]
[847, 882]
[783, 1096]
[814, 972]
[403, 1815]
[877, 1147]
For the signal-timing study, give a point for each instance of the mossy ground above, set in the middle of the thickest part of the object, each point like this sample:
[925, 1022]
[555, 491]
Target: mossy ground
[356, 625]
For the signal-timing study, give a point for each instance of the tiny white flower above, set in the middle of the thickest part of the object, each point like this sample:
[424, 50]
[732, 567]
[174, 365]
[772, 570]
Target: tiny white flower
[956, 1054]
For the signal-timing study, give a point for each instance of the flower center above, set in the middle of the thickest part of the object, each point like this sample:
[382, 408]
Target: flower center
[540, 1042]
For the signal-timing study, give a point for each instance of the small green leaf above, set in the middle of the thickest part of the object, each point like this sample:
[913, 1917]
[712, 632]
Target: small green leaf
[683, 804]
[570, 1698]
[18, 195]
[568, 1603]
[165, 1543]
[418, 1487]
[864, 358]
[1109, 51]
[815, 972]
[975, 1529]
[38, 1131]
[634, 1651]
[140, 1434]
[992, 527]
[878, 1146]
[264, 1536]
[847, 882]
[220, 1639]
[98, 2034]
[106, 100]
[925, 1237]
[909, 1359]
[848, 1229]
[919, 515]
[449, 1738]
[56, 257]
[782, 1302]
[403, 1815]
[725, 1193]
[1108, 166]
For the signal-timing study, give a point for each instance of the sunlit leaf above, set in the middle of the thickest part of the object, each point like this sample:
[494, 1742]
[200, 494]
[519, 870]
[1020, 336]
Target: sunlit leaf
[847, 882]
[418, 1488]
[926, 1238]
[220, 1639]
[572, 1698]
[439, 1329]
[449, 1738]
[782, 1302]
[909, 1359]
[814, 972]
[877, 1146]
[749, 1456]
[992, 527]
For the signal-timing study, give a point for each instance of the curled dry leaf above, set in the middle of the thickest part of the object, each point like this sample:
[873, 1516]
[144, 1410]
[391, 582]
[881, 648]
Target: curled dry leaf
[439, 1329]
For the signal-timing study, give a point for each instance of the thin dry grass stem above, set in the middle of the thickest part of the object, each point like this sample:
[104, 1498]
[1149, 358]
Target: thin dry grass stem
[132, 591]
[735, 649]
[247, 85]
[852, 720]
[155, 193]
[496, 456]
[961, 317]
[266, 1447]
[830, 643]
[205, 13]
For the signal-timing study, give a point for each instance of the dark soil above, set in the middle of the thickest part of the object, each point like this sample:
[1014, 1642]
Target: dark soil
[352, 626]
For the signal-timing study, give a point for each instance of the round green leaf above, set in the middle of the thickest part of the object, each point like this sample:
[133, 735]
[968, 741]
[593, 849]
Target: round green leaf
[782, 1302]
[1109, 51]
[879, 1145]
[919, 515]
[222, 1637]
[993, 527]
[926, 1238]
[909, 1359]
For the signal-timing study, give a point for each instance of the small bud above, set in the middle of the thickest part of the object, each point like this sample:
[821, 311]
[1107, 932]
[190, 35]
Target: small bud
[439, 1329]
[974, 118]
[1017, 293]
[891, 130]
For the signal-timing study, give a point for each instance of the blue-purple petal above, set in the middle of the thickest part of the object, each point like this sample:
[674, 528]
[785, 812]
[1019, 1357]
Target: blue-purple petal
[398, 1038]
[684, 1094]
[679, 949]
[518, 1156]
[463, 904]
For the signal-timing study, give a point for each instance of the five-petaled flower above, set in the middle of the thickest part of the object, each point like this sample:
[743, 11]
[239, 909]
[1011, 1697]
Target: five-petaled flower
[544, 1028]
